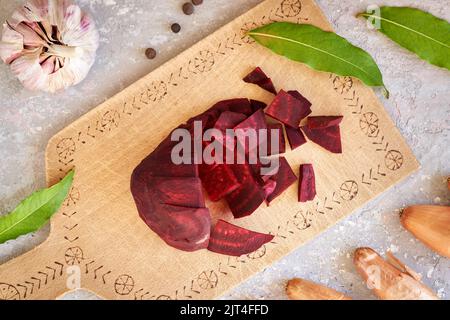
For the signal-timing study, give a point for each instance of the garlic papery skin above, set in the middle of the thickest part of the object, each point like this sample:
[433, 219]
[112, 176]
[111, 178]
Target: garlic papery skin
[49, 44]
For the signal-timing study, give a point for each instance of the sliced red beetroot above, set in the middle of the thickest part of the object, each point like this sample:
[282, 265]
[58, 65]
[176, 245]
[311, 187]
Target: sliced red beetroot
[271, 135]
[256, 105]
[229, 120]
[249, 196]
[218, 180]
[289, 110]
[328, 138]
[252, 124]
[307, 185]
[322, 122]
[184, 192]
[269, 187]
[159, 164]
[187, 229]
[232, 240]
[241, 105]
[259, 78]
[296, 137]
[284, 179]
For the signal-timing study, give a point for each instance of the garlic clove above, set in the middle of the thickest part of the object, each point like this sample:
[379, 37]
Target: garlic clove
[431, 225]
[11, 45]
[300, 289]
[387, 281]
[30, 37]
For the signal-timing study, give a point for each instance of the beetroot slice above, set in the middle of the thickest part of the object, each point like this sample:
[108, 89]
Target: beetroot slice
[307, 185]
[322, 122]
[328, 138]
[249, 196]
[288, 109]
[256, 105]
[241, 105]
[232, 240]
[228, 120]
[296, 137]
[218, 180]
[184, 192]
[182, 228]
[255, 122]
[284, 179]
[269, 187]
[281, 140]
[259, 78]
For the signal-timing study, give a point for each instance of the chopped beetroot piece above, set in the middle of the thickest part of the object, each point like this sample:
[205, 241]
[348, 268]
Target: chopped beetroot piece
[296, 137]
[281, 140]
[241, 105]
[249, 196]
[256, 105]
[256, 76]
[259, 78]
[229, 120]
[254, 123]
[187, 229]
[328, 138]
[159, 164]
[284, 179]
[324, 122]
[232, 240]
[218, 180]
[307, 185]
[269, 187]
[288, 109]
[183, 192]
[268, 86]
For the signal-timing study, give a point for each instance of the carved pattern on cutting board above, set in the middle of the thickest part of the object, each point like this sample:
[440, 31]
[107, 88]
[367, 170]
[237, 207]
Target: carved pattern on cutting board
[32, 284]
[152, 94]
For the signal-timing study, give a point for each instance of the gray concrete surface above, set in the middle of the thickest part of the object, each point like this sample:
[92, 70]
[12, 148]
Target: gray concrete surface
[420, 106]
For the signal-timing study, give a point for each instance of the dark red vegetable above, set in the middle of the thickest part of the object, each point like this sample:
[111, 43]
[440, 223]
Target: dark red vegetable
[284, 179]
[324, 122]
[184, 192]
[229, 119]
[328, 138]
[271, 135]
[218, 180]
[269, 187]
[232, 240]
[252, 124]
[259, 78]
[288, 109]
[256, 105]
[249, 196]
[296, 137]
[307, 185]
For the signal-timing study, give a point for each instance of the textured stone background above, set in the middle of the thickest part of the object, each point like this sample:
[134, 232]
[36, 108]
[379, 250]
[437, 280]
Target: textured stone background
[420, 106]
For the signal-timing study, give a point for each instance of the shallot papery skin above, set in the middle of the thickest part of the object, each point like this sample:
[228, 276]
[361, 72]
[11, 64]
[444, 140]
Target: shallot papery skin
[49, 44]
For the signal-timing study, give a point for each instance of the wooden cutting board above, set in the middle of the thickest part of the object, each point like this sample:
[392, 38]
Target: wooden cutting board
[98, 232]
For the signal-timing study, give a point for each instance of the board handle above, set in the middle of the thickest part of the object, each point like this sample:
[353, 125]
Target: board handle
[40, 274]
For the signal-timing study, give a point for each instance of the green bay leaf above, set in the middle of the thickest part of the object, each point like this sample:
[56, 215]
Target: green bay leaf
[416, 30]
[319, 49]
[32, 213]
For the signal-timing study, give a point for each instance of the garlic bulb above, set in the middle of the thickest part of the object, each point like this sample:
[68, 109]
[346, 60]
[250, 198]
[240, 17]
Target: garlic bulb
[49, 44]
